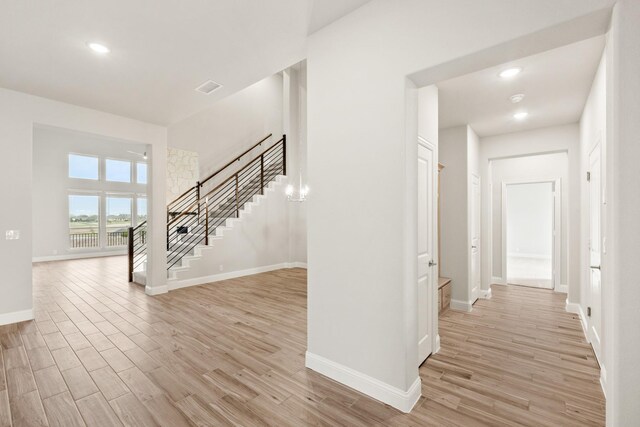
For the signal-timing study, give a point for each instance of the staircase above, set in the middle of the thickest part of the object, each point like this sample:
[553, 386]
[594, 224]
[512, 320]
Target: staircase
[200, 216]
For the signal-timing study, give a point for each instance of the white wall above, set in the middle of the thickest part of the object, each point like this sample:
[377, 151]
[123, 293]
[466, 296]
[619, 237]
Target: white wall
[18, 114]
[454, 256]
[539, 154]
[52, 185]
[459, 150]
[359, 279]
[622, 294]
[224, 130]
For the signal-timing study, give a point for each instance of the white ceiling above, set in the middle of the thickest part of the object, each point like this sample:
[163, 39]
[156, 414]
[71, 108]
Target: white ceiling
[556, 84]
[160, 49]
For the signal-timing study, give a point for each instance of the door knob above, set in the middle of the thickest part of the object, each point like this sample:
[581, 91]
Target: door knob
[431, 263]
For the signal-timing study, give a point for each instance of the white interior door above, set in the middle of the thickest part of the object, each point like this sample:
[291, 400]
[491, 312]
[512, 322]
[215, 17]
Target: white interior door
[594, 312]
[474, 280]
[427, 270]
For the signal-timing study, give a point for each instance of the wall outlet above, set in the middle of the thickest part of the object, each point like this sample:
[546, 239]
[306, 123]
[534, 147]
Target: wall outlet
[221, 267]
[12, 234]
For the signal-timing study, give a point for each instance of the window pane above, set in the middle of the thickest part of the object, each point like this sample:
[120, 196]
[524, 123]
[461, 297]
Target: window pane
[142, 209]
[141, 174]
[118, 220]
[118, 170]
[83, 167]
[84, 221]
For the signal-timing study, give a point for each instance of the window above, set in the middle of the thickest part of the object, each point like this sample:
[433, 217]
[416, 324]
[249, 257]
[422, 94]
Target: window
[118, 220]
[84, 221]
[118, 170]
[141, 209]
[141, 173]
[83, 167]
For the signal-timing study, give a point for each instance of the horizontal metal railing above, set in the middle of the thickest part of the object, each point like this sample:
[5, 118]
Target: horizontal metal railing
[198, 212]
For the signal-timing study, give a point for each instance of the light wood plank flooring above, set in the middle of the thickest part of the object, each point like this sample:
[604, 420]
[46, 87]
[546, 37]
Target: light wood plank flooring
[103, 353]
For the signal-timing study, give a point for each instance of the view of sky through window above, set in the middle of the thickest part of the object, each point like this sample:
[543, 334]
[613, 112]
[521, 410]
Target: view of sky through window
[118, 170]
[83, 167]
[141, 174]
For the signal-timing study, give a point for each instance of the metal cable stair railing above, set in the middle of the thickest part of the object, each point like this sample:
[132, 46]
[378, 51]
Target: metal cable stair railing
[199, 212]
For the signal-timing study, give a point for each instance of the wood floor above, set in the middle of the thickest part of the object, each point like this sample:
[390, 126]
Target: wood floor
[232, 353]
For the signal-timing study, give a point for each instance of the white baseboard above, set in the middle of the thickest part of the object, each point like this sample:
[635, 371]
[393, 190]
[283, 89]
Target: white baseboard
[575, 308]
[563, 289]
[16, 316]
[81, 255]
[603, 380]
[195, 281]
[497, 280]
[461, 305]
[485, 293]
[156, 290]
[393, 396]
[437, 349]
[297, 265]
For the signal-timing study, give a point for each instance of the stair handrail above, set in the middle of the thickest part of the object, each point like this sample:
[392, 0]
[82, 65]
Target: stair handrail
[235, 160]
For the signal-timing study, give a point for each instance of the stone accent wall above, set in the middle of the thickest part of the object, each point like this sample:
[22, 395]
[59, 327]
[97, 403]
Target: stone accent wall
[182, 171]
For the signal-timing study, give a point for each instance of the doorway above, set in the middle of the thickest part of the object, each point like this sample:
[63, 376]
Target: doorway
[530, 222]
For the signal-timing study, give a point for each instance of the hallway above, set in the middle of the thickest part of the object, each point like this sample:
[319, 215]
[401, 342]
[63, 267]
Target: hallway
[101, 352]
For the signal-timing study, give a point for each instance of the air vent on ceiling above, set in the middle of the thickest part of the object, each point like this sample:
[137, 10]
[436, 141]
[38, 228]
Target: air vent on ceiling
[208, 87]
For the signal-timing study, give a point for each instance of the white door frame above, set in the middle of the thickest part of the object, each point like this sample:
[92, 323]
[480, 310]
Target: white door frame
[433, 303]
[594, 336]
[556, 255]
[472, 213]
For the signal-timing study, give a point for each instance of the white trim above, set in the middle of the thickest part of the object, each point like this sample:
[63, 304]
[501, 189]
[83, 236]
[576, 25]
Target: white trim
[156, 290]
[393, 396]
[83, 255]
[603, 380]
[485, 294]
[497, 280]
[16, 316]
[437, 347]
[461, 305]
[563, 289]
[575, 308]
[195, 281]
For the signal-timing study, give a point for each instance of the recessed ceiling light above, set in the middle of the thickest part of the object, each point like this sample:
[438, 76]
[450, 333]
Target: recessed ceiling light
[521, 115]
[517, 97]
[98, 48]
[510, 72]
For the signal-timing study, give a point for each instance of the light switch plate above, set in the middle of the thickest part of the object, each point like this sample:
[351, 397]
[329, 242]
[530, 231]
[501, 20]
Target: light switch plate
[12, 234]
